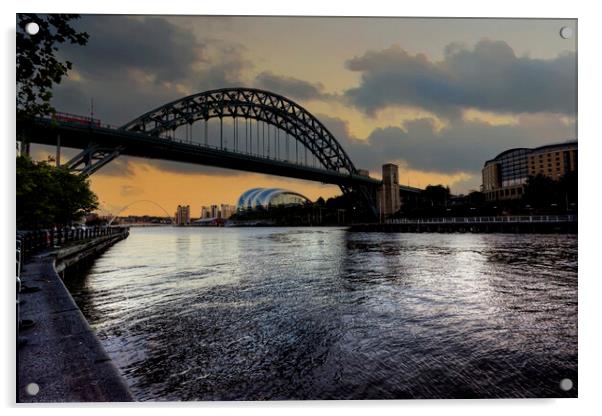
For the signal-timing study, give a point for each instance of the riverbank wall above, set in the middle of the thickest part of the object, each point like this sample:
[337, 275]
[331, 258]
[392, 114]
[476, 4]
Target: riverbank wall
[59, 357]
[560, 227]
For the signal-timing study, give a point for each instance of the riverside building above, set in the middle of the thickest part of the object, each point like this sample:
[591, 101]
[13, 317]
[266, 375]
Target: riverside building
[183, 215]
[264, 198]
[505, 176]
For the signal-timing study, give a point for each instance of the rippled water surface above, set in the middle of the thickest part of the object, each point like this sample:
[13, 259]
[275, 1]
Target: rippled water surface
[323, 313]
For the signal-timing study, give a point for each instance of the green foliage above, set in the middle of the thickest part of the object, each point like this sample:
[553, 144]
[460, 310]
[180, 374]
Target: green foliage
[540, 191]
[475, 198]
[38, 69]
[48, 195]
[435, 195]
[544, 192]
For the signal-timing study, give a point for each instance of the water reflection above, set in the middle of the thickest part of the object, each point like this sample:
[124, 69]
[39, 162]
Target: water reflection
[230, 314]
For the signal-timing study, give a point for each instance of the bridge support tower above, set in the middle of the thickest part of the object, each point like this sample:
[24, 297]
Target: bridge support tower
[388, 198]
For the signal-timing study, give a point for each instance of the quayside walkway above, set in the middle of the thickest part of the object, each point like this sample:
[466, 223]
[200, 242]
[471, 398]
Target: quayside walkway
[59, 357]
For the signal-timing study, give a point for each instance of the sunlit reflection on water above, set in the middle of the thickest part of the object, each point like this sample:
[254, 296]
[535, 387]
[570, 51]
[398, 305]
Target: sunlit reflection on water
[322, 313]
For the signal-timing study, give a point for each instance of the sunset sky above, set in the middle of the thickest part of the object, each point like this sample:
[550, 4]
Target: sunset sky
[436, 96]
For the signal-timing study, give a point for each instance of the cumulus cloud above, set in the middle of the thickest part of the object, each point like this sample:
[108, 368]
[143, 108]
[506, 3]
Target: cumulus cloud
[134, 64]
[489, 77]
[224, 65]
[291, 87]
[461, 146]
[150, 44]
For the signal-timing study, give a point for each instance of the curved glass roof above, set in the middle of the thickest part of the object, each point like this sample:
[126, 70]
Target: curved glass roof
[264, 197]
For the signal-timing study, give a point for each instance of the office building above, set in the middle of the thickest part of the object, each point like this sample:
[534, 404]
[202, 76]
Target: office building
[505, 176]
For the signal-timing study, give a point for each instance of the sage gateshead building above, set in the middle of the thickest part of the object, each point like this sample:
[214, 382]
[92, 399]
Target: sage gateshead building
[264, 198]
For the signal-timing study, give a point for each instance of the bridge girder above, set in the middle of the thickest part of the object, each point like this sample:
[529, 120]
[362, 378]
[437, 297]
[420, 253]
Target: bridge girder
[92, 158]
[248, 103]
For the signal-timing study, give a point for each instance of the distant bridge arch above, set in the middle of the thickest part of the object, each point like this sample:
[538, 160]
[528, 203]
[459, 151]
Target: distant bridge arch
[137, 202]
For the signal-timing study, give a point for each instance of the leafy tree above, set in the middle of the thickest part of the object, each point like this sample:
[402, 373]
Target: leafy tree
[475, 198]
[435, 195]
[38, 69]
[48, 195]
[569, 187]
[541, 191]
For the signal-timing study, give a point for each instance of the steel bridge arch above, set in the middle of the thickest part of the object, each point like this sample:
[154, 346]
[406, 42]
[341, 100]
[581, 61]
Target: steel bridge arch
[260, 105]
[249, 103]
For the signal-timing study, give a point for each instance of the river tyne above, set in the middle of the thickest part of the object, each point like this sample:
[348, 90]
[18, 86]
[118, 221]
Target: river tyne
[324, 313]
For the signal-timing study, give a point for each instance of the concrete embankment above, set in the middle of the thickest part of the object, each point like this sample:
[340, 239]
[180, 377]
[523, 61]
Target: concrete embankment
[60, 359]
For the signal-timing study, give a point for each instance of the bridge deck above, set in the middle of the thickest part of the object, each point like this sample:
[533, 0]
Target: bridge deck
[79, 136]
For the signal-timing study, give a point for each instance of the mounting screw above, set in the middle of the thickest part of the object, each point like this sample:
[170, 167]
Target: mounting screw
[566, 32]
[32, 28]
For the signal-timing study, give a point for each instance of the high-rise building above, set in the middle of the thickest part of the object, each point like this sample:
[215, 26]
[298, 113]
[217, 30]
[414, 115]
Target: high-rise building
[227, 210]
[223, 211]
[505, 176]
[205, 212]
[553, 160]
[183, 215]
[388, 194]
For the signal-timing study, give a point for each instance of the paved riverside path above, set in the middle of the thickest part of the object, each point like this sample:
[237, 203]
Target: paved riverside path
[61, 355]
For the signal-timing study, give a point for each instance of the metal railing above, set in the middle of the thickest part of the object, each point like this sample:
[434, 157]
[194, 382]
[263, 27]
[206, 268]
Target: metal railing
[522, 219]
[29, 242]
[19, 259]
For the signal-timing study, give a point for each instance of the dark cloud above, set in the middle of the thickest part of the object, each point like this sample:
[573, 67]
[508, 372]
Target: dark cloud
[134, 64]
[224, 68]
[489, 77]
[462, 146]
[149, 44]
[116, 101]
[291, 87]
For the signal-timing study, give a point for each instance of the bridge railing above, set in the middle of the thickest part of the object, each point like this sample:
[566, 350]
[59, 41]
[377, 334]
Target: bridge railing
[32, 241]
[523, 219]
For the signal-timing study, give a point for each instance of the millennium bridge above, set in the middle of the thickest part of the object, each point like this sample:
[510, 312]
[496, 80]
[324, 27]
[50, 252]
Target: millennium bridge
[257, 131]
